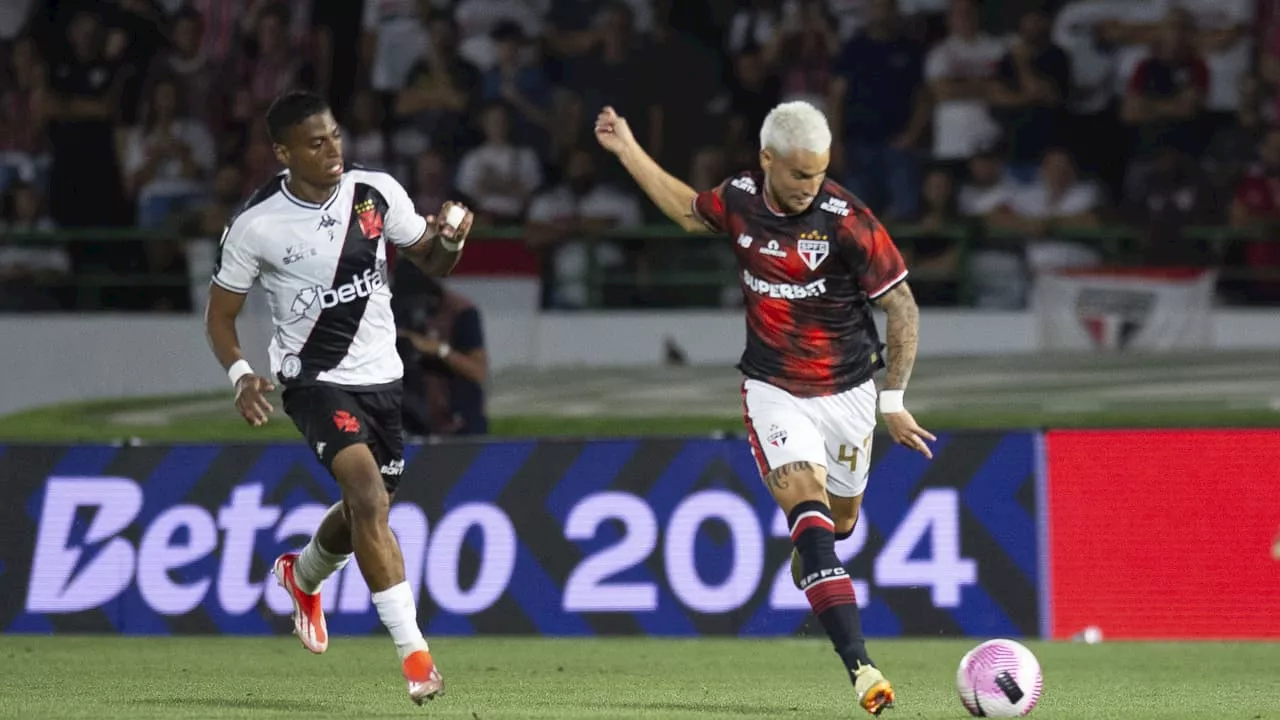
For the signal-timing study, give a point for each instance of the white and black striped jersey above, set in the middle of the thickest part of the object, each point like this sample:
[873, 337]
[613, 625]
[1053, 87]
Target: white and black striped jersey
[324, 268]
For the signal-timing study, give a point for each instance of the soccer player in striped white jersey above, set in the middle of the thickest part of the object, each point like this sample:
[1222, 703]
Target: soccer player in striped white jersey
[315, 237]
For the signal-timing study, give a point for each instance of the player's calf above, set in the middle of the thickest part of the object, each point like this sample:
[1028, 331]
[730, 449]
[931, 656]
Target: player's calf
[328, 551]
[844, 517]
[797, 564]
[826, 584]
[368, 506]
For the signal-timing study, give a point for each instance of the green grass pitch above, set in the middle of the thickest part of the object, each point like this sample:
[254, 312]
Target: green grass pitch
[96, 421]
[105, 678]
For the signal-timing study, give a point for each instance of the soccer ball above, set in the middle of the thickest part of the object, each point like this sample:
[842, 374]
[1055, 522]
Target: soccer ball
[999, 678]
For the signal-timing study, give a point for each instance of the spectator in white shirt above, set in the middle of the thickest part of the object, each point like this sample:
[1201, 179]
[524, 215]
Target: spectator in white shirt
[1104, 48]
[499, 176]
[394, 37]
[1059, 200]
[961, 71]
[168, 157]
[989, 187]
[1223, 35]
[1224, 30]
[577, 207]
[996, 271]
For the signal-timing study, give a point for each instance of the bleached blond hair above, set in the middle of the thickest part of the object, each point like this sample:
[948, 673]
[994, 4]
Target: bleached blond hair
[795, 125]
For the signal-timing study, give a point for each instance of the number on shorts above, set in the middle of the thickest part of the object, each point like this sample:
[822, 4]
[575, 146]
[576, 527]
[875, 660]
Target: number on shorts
[849, 453]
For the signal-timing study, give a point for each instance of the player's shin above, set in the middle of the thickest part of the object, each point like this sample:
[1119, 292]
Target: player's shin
[398, 610]
[825, 582]
[316, 563]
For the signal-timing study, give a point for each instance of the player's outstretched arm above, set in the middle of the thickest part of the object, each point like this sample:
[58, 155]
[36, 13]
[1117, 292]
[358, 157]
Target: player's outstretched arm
[673, 197]
[437, 251]
[220, 326]
[902, 337]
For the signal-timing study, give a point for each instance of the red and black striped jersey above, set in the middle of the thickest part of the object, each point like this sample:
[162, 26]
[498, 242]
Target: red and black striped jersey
[808, 281]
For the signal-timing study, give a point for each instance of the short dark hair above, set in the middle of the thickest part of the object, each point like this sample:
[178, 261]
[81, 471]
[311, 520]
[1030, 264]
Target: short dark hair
[290, 109]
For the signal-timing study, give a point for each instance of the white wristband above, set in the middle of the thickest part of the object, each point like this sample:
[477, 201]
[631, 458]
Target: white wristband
[239, 369]
[444, 350]
[891, 401]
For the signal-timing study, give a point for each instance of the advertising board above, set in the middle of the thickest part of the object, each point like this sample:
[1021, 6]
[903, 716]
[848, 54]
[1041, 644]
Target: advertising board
[1164, 534]
[656, 537]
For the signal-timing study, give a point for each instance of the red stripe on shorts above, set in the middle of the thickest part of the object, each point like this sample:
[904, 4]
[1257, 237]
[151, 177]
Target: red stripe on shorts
[756, 451]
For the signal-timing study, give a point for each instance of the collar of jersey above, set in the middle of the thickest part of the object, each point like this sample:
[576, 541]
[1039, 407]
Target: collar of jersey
[284, 188]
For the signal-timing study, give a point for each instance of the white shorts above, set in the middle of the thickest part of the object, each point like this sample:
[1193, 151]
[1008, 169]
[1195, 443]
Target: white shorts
[833, 431]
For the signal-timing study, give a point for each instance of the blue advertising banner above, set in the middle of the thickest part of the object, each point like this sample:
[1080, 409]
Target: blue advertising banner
[657, 537]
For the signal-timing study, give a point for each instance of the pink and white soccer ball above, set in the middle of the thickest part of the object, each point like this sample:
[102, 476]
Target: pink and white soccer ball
[999, 678]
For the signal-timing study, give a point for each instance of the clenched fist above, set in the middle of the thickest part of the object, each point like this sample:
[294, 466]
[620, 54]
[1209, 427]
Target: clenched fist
[612, 132]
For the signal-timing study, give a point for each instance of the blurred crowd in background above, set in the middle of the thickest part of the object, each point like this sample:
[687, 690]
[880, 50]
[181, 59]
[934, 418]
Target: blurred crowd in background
[1031, 120]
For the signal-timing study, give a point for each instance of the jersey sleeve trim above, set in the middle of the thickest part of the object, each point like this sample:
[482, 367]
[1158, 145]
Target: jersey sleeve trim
[888, 286]
[697, 214]
[418, 236]
[230, 288]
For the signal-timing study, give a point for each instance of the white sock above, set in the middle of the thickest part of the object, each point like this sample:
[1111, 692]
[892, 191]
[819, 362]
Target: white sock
[315, 565]
[397, 610]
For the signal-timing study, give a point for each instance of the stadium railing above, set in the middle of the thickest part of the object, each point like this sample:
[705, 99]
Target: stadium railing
[688, 274]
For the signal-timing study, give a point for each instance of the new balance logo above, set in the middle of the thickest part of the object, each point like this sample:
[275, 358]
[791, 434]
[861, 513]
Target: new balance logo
[745, 184]
[835, 206]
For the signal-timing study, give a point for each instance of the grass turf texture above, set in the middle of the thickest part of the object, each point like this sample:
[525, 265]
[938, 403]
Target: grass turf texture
[97, 422]
[603, 679]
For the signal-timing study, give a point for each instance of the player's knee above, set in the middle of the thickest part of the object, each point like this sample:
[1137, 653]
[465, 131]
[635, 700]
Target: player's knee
[844, 514]
[844, 523]
[844, 529]
[364, 498]
[368, 505]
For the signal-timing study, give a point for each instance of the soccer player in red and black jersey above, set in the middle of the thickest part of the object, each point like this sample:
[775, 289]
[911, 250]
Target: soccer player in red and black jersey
[813, 260]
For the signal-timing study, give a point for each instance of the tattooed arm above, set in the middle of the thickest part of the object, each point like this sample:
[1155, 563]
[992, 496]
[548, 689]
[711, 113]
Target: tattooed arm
[902, 335]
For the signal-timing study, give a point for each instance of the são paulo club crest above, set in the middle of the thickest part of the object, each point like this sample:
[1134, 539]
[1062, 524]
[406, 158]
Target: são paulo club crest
[813, 248]
[777, 436]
